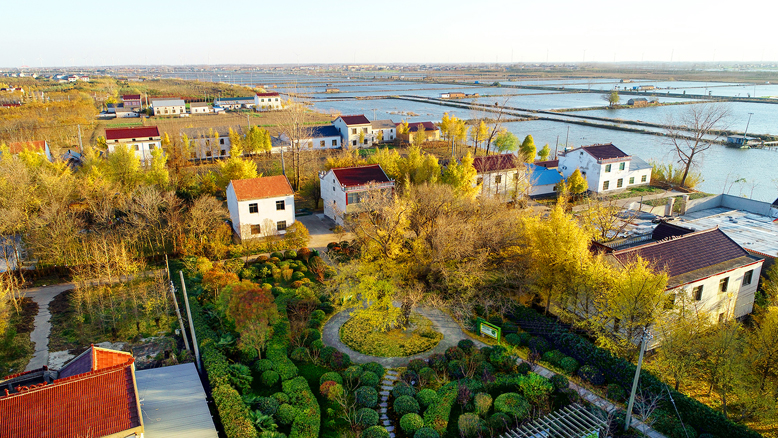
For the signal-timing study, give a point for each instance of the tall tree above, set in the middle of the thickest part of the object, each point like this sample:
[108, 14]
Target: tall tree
[612, 98]
[236, 143]
[528, 149]
[461, 177]
[478, 134]
[576, 183]
[506, 142]
[253, 311]
[544, 153]
[420, 136]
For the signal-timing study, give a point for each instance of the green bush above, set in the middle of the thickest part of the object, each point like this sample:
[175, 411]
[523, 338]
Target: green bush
[314, 323]
[233, 413]
[366, 397]
[375, 432]
[267, 405]
[513, 339]
[374, 367]
[509, 328]
[569, 365]
[318, 314]
[499, 422]
[416, 365]
[269, 378]
[470, 426]
[536, 388]
[367, 417]
[466, 345]
[554, 357]
[290, 254]
[410, 423]
[523, 368]
[215, 363]
[454, 353]
[403, 389]
[455, 369]
[300, 354]
[339, 360]
[405, 405]
[281, 397]
[427, 374]
[559, 381]
[332, 375]
[326, 353]
[539, 344]
[512, 404]
[262, 365]
[306, 423]
[437, 415]
[369, 378]
[426, 432]
[482, 403]
[591, 375]
[277, 254]
[426, 397]
[297, 276]
[352, 373]
[317, 345]
[286, 414]
[524, 337]
[616, 393]
[437, 362]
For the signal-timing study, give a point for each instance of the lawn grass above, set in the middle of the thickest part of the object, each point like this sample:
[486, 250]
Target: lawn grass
[16, 348]
[359, 335]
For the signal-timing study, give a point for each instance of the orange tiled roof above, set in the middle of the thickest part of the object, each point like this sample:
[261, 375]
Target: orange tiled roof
[264, 187]
[39, 145]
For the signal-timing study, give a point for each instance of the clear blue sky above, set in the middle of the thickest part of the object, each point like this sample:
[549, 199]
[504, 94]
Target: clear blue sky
[56, 33]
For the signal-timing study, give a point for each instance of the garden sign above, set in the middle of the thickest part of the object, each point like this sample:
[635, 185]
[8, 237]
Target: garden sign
[490, 330]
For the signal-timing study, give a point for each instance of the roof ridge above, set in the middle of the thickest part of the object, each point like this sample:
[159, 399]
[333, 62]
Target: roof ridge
[74, 378]
[669, 239]
[357, 167]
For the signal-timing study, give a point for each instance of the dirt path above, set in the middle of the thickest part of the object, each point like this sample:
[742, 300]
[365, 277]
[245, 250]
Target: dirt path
[43, 296]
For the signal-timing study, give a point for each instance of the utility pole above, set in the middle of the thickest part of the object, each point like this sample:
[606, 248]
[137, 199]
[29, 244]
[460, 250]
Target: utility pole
[567, 137]
[644, 339]
[191, 325]
[81, 145]
[745, 134]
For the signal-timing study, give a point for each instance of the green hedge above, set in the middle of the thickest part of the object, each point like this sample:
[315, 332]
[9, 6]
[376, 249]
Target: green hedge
[437, 414]
[233, 413]
[306, 423]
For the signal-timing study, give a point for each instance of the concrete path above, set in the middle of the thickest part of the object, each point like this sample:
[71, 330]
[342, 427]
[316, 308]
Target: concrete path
[387, 384]
[443, 323]
[319, 227]
[43, 296]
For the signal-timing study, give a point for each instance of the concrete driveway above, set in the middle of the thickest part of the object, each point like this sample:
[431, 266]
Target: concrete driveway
[319, 226]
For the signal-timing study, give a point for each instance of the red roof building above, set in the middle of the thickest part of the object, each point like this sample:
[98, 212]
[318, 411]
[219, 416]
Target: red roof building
[135, 133]
[344, 189]
[415, 126]
[361, 175]
[259, 188]
[38, 146]
[273, 94]
[496, 163]
[355, 120]
[260, 207]
[99, 402]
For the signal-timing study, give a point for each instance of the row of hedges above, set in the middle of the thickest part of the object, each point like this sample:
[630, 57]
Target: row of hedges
[308, 419]
[619, 371]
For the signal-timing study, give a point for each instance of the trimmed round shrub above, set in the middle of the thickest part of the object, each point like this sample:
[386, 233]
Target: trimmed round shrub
[455, 353]
[317, 345]
[455, 369]
[469, 425]
[326, 307]
[512, 404]
[405, 405]
[513, 339]
[312, 335]
[352, 373]
[314, 323]
[326, 353]
[300, 354]
[466, 345]
[496, 320]
[368, 378]
[282, 397]
[427, 374]
[269, 378]
[525, 337]
[569, 365]
[410, 423]
[332, 375]
[367, 417]
[403, 389]
[285, 414]
[499, 422]
[304, 253]
[297, 276]
[339, 360]
[277, 290]
[410, 377]
[426, 432]
[262, 365]
[330, 387]
[559, 381]
[554, 357]
[539, 345]
[509, 328]
[437, 362]
[277, 254]
[482, 402]
[318, 314]
[375, 432]
[374, 367]
[616, 393]
[591, 375]
[484, 368]
[416, 365]
[290, 254]
[523, 368]
[426, 397]
[486, 351]
[366, 397]
[267, 405]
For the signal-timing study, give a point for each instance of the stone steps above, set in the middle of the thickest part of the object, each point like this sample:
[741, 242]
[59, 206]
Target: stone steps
[387, 384]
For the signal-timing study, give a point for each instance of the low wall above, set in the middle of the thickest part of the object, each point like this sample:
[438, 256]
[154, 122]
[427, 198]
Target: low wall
[732, 202]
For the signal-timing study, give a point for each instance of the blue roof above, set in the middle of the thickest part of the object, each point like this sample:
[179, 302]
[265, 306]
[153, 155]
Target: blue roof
[542, 176]
[324, 131]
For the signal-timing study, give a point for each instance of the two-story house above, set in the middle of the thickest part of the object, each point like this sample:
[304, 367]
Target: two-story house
[431, 131]
[355, 131]
[606, 168]
[267, 101]
[317, 137]
[502, 176]
[210, 143]
[344, 189]
[132, 101]
[168, 107]
[260, 207]
[384, 131]
[141, 139]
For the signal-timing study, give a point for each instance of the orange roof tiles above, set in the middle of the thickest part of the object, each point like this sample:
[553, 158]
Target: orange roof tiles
[264, 187]
[17, 147]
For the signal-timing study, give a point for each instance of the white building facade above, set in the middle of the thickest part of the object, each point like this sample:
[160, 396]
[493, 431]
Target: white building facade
[355, 131]
[141, 139]
[344, 189]
[260, 207]
[384, 131]
[267, 101]
[212, 142]
[168, 107]
[605, 167]
[319, 137]
[199, 108]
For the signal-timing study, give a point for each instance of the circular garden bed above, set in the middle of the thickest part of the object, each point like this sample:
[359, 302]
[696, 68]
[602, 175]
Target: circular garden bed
[421, 336]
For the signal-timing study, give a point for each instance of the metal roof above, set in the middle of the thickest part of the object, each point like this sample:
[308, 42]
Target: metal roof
[167, 102]
[173, 403]
[573, 421]
[542, 176]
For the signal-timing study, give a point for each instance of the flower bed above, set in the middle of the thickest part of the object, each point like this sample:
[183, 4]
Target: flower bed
[358, 334]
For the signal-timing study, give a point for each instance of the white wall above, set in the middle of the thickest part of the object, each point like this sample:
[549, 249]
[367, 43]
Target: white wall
[505, 188]
[267, 215]
[267, 103]
[169, 110]
[142, 148]
[349, 137]
[315, 143]
[333, 197]
[596, 175]
[201, 146]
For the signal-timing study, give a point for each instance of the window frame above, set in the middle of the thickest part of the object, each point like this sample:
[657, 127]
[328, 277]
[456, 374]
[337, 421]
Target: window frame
[723, 285]
[620, 183]
[254, 207]
[643, 178]
[622, 165]
[697, 292]
[256, 229]
[606, 185]
[281, 203]
[281, 226]
[607, 168]
[749, 275]
[631, 180]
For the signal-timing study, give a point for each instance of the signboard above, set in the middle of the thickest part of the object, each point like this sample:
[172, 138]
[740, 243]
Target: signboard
[490, 330]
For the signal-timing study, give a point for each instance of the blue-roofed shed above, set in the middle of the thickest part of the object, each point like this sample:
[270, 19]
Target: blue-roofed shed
[543, 180]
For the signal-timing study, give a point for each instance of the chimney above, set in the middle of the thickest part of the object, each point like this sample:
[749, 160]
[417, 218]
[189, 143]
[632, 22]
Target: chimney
[669, 207]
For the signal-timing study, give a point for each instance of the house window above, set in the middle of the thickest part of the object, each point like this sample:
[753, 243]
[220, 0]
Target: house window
[221, 141]
[256, 229]
[643, 178]
[137, 147]
[747, 277]
[619, 183]
[224, 151]
[334, 142]
[621, 166]
[353, 142]
[364, 130]
[322, 143]
[391, 137]
[632, 180]
[365, 141]
[281, 225]
[353, 130]
[254, 208]
[208, 154]
[605, 185]
[723, 284]
[497, 179]
[607, 168]
[352, 198]
[151, 147]
[697, 293]
[280, 205]
[479, 180]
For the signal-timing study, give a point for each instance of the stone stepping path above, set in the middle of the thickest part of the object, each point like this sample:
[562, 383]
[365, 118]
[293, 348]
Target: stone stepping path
[387, 384]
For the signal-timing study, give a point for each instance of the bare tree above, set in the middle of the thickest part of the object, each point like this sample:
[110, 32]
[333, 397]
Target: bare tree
[646, 403]
[695, 131]
[294, 124]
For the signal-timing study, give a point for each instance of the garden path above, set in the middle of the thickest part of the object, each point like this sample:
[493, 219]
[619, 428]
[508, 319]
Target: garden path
[443, 323]
[387, 384]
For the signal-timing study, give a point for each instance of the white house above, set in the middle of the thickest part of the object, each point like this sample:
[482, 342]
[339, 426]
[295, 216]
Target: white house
[317, 137]
[40, 146]
[267, 101]
[710, 268]
[168, 107]
[502, 176]
[212, 142]
[352, 127]
[384, 131]
[343, 189]
[233, 103]
[141, 139]
[260, 207]
[132, 101]
[543, 181]
[125, 112]
[199, 108]
[605, 167]
[431, 131]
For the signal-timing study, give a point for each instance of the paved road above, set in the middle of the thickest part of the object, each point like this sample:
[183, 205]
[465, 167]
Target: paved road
[40, 334]
[443, 323]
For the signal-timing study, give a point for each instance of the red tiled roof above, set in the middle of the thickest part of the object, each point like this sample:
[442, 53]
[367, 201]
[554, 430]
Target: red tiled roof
[548, 164]
[361, 175]
[96, 403]
[39, 145]
[133, 132]
[264, 187]
[93, 359]
[414, 127]
[273, 94]
[683, 254]
[495, 162]
[355, 120]
[604, 151]
[131, 97]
